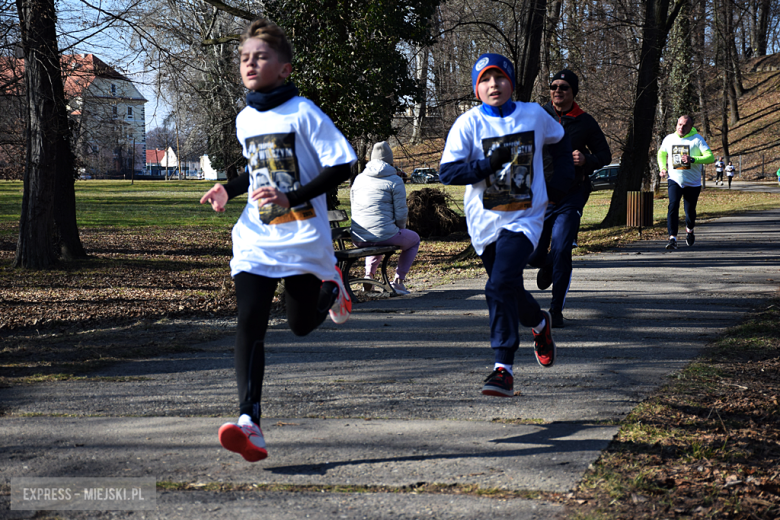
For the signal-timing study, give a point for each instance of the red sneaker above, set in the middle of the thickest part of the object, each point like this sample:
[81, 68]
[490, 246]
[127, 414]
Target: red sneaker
[544, 346]
[499, 383]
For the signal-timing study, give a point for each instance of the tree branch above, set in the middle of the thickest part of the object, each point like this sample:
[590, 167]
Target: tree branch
[240, 13]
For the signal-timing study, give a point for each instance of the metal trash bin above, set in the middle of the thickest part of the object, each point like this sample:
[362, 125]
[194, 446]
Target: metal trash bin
[639, 212]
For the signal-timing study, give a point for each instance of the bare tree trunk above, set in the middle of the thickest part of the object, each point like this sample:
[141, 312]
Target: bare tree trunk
[759, 11]
[724, 119]
[733, 101]
[727, 51]
[550, 25]
[70, 246]
[736, 68]
[418, 115]
[634, 162]
[528, 68]
[37, 20]
[700, 15]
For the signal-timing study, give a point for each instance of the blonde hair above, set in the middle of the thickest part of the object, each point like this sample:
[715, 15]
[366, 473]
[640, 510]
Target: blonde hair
[271, 34]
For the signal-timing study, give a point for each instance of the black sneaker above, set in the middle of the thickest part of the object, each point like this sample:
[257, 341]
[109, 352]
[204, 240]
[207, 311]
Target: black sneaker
[544, 277]
[557, 319]
[690, 238]
[499, 383]
[672, 244]
[544, 346]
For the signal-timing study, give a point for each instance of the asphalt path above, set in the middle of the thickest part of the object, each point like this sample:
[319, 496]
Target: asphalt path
[392, 398]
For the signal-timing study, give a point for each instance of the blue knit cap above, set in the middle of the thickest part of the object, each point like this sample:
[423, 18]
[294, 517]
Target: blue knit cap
[491, 61]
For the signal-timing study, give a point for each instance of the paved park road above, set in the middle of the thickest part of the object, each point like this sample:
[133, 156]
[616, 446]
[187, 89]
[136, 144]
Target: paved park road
[392, 397]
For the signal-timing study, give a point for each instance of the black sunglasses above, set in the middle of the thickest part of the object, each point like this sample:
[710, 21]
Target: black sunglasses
[562, 88]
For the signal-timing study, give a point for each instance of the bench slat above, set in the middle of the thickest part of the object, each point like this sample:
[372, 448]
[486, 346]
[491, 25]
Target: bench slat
[348, 256]
[365, 251]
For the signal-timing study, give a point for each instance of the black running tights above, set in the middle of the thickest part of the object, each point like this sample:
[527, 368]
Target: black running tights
[307, 300]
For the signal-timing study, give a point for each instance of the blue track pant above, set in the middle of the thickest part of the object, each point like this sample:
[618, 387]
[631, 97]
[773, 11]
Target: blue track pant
[561, 224]
[508, 302]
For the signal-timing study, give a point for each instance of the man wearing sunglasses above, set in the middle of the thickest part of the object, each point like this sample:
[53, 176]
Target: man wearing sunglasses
[562, 219]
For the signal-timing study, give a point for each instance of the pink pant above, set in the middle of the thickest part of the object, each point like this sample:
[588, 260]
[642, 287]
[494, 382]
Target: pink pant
[409, 242]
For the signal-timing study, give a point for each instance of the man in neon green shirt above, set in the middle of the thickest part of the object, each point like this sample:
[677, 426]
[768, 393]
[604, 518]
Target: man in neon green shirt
[681, 156]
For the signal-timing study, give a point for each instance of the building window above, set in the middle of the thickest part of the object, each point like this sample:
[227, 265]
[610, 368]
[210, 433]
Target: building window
[113, 89]
[114, 112]
[129, 112]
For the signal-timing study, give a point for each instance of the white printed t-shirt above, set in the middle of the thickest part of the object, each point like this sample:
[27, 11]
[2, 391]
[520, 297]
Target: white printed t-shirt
[675, 147]
[516, 198]
[287, 146]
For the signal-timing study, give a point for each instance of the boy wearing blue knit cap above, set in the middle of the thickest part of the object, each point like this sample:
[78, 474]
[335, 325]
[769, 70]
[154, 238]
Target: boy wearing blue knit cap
[495, 150]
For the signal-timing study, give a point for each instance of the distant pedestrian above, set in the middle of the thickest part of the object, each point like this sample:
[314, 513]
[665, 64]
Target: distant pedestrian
[730, 172]
[295, 155]
[778, 175]
[495, 150]
[379, 214]
[719, 165]
[682, 155]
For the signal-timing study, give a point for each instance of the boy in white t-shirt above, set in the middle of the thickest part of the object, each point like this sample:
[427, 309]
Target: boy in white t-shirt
[496, 151]
[295, 155]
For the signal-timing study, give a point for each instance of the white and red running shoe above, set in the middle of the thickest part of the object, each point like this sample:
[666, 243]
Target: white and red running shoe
[245, 438]
[341, 308]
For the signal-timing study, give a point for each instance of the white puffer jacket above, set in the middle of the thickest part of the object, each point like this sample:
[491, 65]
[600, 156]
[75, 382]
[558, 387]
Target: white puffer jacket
[378, 203]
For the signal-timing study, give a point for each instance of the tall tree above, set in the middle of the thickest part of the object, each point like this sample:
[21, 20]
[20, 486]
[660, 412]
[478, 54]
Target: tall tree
[46, 221]
[683, 70]
[551, 59]
[760, 11]
[698, 37]
[420, 107]
[658, 21]
[513, 28]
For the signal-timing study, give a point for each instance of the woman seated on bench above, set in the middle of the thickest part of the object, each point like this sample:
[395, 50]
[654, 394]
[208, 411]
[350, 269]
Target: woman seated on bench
[379, 215]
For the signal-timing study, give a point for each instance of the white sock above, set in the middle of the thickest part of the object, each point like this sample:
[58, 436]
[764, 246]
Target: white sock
[539, 328]
[672, 238]
[688, 230]
[244, 420]
[508, 368]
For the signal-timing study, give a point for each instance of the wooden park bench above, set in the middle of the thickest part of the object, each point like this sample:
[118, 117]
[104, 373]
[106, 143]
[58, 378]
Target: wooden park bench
[347, 256]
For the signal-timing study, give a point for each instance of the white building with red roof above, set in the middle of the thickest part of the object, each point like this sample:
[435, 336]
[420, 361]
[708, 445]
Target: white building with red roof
[109, 117]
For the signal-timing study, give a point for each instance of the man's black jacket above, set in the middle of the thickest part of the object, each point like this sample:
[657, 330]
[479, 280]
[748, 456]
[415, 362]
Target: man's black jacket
[586, 136]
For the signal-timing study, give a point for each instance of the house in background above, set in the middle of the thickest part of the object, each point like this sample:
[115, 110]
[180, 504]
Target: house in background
[108, 116]
[163, 164]
[208, 172]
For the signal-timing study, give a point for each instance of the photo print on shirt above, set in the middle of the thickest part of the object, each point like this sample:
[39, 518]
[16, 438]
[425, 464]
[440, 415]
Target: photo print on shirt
[678, 150]
[272, 162]
[510, 188]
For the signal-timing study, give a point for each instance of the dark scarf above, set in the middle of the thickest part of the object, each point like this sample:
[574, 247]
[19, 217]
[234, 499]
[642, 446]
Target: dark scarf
[264, 101]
